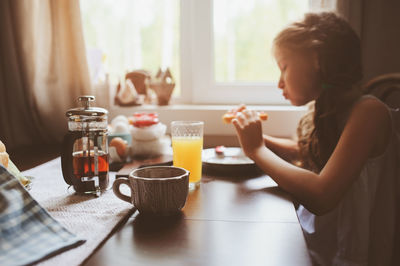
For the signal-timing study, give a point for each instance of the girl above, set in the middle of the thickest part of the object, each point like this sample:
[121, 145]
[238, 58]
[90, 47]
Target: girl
[345, 149]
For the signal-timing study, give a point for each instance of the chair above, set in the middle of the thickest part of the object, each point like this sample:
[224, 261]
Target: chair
[386, 88]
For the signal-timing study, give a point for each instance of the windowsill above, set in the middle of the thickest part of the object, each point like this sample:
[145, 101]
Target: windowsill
[282, 120]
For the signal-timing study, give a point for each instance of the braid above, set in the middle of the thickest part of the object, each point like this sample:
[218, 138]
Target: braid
[326, 133]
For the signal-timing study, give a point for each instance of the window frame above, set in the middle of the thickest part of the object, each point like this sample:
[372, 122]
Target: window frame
[198, 85]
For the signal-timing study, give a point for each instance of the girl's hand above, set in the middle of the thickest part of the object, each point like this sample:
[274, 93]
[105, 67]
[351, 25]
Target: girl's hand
[249, 131]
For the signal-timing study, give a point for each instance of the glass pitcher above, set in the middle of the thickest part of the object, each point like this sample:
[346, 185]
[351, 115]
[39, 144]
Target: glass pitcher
[84, 156]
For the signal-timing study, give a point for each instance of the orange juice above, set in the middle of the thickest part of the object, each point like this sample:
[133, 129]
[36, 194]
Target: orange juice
[187, 154]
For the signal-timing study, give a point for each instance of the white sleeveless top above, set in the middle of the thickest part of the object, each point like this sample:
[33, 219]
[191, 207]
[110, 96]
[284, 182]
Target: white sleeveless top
[360, 230]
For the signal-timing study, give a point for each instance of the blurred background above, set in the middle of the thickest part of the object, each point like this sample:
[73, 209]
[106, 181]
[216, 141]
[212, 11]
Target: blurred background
[214, 54]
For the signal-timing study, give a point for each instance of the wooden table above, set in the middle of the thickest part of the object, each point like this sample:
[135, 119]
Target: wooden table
[226, 221]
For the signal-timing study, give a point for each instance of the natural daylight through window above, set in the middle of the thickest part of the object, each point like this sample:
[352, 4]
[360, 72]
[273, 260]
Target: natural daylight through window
[219, 51]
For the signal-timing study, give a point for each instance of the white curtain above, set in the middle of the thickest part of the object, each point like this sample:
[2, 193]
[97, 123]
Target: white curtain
[43, 69]
[322, 5]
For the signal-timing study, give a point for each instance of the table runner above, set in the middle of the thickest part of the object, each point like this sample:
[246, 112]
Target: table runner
[88, 217]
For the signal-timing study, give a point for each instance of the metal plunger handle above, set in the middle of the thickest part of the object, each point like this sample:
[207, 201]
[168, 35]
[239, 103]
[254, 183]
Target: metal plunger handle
[86, 99]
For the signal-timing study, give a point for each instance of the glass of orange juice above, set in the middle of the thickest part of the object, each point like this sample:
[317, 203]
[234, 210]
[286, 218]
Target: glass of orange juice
[187, 146]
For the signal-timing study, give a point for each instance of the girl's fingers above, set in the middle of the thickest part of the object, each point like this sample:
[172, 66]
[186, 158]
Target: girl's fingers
[245, 118]
[247, 114]
[251, 115]
[236, 123]
[242, 119]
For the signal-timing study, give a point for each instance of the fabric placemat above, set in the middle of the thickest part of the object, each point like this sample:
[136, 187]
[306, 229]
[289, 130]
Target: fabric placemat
[88, 217]
[27, 232]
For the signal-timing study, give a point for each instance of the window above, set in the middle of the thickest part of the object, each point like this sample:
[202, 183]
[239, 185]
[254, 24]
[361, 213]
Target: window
[219, 51]
[126, 35]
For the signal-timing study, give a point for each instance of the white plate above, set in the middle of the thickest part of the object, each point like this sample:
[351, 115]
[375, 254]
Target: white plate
[233, 156]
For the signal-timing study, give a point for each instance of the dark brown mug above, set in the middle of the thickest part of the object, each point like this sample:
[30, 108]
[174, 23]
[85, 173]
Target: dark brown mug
[155, 190]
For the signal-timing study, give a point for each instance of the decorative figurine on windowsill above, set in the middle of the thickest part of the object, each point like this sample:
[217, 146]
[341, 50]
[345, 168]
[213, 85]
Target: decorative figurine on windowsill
[127, 95]
[135, 91]
[163, 85]
[140, 79]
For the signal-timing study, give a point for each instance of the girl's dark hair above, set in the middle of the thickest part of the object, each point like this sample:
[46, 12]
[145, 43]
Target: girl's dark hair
[339, 55]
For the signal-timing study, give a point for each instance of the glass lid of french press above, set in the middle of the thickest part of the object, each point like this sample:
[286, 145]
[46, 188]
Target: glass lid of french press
[87, 112]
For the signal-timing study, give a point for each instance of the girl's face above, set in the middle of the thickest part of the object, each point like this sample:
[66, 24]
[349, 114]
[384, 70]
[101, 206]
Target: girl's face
[299, 78]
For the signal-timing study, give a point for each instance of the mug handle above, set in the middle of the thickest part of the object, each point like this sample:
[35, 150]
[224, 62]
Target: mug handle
[116, 185]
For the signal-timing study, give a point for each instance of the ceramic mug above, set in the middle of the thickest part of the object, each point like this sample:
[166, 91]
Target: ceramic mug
[155, 190]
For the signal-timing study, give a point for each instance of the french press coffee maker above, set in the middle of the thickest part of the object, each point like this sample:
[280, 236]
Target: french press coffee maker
[84, 156]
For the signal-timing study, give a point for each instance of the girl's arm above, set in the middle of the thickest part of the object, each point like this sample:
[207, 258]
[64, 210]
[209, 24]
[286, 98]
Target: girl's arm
[364, 135]
[285, 148]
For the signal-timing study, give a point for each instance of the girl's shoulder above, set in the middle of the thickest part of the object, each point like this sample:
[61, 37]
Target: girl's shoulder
[368, 101]
[369, 109]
